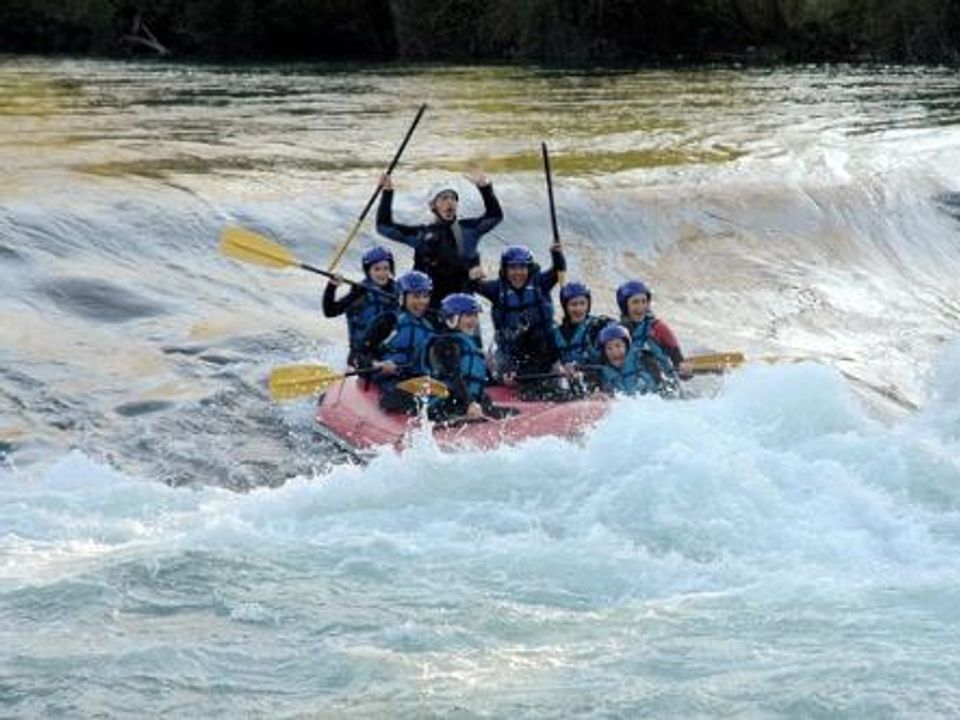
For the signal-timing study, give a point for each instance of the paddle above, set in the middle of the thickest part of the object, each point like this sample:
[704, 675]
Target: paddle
[245, 245]
[553, 208]
[553, 373]
[424, 386]
[721, 361]
[717, 362]
[706, 363]
[292, 381]
[376, 192]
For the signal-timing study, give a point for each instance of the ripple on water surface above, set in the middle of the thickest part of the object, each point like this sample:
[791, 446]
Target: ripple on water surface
[99, 300]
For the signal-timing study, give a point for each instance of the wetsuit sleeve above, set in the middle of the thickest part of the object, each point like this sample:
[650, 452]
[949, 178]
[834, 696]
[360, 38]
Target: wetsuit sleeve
[492, 212]
[552, 276]
[490, 289]
[409, 235]
[370, 346]
[333, 307]
[664, 337]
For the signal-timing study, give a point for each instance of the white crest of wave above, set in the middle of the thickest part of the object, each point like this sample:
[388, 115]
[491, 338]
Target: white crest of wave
[782, 480]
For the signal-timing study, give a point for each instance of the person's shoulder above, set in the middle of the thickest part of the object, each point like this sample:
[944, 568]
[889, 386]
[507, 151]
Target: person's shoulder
[662, 332]
[659, 325]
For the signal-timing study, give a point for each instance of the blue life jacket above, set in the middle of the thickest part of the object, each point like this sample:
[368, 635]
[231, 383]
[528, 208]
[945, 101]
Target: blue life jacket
[581, 347]
[516, 312]
[640, 338]
[631, 379]
[362, 313]
[473, 363]
[404, 346]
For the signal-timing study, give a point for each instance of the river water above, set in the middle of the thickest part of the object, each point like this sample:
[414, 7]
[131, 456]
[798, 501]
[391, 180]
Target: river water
[787, 548]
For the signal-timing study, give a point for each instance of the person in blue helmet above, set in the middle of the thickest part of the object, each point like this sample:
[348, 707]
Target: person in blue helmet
[455, 357]
[393, 345]
[445, 249]
[376, 294]
[576, 335]
[523, 319]
[622, 370]
[649, 332]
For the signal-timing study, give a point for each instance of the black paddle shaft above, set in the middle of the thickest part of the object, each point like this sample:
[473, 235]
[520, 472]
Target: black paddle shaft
[553, 207]
[554, 373]
[396, 159]
[354, 283]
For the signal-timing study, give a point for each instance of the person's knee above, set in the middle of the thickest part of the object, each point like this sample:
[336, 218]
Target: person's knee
[397, 401]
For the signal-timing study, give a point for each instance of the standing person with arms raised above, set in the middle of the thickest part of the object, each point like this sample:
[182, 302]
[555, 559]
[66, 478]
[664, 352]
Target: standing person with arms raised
[445, 249]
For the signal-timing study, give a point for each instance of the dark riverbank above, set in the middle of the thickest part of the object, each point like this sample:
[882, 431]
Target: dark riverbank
[572, 31]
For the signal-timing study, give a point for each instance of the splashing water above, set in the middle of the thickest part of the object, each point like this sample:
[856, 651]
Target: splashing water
[786, 548]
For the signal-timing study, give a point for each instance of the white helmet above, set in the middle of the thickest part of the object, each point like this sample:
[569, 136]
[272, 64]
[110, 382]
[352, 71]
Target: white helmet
[440, 188]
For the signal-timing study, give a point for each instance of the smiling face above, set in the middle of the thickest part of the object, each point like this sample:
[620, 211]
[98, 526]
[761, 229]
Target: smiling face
[637, 306]
[517, 275]
[577, 309]
[468, 323]
[416, 303]
[380, 272]
[445, 206]
[616, 352]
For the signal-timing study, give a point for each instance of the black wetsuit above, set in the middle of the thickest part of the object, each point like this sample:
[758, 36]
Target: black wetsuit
[443, 250]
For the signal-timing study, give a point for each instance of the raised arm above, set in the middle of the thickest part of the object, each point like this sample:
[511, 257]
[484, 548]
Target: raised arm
[558, 265]
[490, 289]
[492, 212]
[333, 307]
[409, 235]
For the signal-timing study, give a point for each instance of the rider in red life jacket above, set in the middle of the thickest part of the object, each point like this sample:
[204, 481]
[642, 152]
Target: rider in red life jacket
[647, 330]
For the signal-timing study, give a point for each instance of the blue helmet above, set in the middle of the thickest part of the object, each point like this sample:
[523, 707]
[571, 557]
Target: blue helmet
[374, 255]
[627, 290]
[516, 255]
[415, 282]
[573, 290]
[613, 331]
[459, 304]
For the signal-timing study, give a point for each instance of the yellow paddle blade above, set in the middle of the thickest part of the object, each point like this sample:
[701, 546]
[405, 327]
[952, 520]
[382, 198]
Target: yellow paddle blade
[245, 245]
[293, 381]
[716, 362]
[424, 385]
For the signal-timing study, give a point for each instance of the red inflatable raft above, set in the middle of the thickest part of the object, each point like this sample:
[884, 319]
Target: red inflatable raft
[350, 413]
